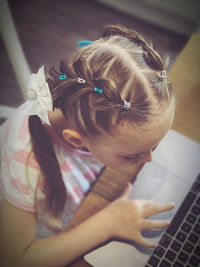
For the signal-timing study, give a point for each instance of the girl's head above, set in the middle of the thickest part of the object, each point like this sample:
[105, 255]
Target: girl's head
[122, 67]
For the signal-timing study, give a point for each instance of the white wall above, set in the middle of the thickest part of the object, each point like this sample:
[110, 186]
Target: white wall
[181, 16]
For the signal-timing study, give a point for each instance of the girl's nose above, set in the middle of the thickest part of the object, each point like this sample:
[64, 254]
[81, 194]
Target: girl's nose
[147, 157]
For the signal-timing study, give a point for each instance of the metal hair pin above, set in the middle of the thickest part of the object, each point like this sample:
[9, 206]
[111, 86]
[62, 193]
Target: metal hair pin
[163, 74]
[80, 80]
[126, 105]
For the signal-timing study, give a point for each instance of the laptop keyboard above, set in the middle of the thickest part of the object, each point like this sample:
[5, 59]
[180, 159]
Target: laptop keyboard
[180, 244]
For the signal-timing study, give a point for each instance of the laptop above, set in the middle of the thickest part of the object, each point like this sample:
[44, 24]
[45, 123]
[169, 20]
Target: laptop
[172, 176]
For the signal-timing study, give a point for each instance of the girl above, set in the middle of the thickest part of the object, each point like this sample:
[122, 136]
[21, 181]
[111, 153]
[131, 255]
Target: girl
[110, 106]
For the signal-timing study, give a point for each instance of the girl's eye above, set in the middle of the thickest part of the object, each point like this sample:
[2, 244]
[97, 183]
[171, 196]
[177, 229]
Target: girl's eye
[130, 159]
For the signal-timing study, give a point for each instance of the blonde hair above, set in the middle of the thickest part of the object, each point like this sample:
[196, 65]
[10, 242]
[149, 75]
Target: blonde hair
[126, 68]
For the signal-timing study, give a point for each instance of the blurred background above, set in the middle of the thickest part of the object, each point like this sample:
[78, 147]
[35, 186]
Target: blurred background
[49, 30]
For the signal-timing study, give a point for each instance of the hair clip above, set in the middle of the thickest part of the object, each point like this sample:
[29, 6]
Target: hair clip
[80, 80]
[63, 77]
[126, 105]
[163, 74]
[40, 94]
[84, 43]
[97, 90]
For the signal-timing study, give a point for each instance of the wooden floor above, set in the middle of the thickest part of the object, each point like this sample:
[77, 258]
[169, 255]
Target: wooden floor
[49, 31]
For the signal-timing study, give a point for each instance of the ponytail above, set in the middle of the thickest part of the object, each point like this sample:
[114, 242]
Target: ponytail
[45, 155]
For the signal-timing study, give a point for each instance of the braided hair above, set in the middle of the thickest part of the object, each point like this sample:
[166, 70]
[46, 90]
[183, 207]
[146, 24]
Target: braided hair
[126, 68]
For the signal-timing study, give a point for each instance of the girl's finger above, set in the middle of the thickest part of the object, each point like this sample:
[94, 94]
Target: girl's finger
[153, 224]
[144, 242]
[156, 208]
[143, 203]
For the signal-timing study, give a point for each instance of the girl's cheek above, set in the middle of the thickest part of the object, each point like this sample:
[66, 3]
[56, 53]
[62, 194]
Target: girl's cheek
[114, 163]
[120, 163]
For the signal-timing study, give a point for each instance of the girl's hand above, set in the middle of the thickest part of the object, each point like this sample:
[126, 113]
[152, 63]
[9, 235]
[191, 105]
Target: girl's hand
[126, 218]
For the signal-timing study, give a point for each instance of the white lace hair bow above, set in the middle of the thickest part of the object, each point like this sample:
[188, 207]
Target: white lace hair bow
[40, 94]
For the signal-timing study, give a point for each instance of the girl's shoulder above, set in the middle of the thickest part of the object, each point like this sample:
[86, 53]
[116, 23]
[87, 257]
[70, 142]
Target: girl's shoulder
[15, 130]
[20, 174]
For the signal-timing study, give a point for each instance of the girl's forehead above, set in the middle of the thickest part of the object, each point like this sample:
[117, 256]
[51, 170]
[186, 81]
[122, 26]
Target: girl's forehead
[137, 139]
[128, 130]
[155, 129]
[128, 136]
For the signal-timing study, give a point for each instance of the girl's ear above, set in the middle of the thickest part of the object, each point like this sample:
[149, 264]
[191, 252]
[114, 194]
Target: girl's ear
[73, 137]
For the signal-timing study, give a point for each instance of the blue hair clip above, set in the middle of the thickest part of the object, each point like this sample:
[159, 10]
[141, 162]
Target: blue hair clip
[63, 77]
[84, 43]
[98, 91]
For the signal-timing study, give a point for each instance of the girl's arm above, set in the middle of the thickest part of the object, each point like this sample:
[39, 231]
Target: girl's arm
[122, 218]
[17, 230]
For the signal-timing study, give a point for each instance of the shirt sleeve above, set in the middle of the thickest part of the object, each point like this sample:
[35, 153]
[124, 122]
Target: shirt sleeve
[20, 179]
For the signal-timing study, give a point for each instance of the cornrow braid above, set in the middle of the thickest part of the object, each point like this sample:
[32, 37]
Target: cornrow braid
[152, 57]
[95, 64]
[83, 98]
